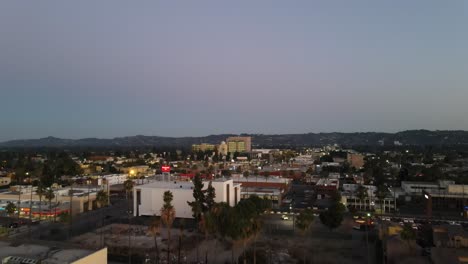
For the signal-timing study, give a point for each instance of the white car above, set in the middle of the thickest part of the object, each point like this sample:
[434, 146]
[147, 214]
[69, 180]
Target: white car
[284, 217]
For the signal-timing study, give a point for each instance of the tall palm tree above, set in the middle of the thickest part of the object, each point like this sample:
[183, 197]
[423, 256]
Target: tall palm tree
[155, 230]
[128, 186]
[168, 214]
[49, 195]
[40, 191]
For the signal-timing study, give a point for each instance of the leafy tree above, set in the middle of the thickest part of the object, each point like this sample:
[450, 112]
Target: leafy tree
[64, 217]
[168, 214]
[102, 198]
[10, 209]
[155, 230]
[408, 234]
[210, 196]
[246, 174]
[198, 205]
[333, 217]
[304, 220]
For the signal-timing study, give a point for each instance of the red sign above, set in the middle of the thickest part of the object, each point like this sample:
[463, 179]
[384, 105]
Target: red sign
[166, 168]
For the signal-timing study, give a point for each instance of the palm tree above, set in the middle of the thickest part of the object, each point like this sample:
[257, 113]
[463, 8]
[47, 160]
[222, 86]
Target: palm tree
[128, 186]
[40, 190]
[49, 195]
[155, 229]
[167, 216]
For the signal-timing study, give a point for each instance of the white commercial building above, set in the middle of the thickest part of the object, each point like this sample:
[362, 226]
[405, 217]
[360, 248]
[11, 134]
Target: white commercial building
[149, 197]
[417, 188]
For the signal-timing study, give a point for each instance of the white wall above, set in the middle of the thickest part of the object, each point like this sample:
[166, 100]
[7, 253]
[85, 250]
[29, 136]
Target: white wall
[152, 198]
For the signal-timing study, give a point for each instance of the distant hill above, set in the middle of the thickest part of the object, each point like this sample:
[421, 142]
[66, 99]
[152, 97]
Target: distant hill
[410, 137]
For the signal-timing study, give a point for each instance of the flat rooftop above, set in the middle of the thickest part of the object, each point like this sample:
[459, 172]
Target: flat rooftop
[272, 179]
[43, 253]
[188, 185]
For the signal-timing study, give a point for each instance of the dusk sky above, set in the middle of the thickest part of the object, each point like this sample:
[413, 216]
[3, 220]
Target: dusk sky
[76, 69]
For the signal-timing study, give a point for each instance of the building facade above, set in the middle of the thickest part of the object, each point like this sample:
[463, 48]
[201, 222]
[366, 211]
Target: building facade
[149, 197]
[239, 144]
[203, 147]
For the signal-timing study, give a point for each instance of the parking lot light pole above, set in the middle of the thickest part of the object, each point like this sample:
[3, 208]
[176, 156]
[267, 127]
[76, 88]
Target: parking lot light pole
[367, 237]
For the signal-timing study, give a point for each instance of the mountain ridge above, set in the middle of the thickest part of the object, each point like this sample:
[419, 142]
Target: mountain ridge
[407, 137]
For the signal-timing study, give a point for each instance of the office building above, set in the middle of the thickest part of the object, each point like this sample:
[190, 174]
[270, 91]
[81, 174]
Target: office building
[239, 144]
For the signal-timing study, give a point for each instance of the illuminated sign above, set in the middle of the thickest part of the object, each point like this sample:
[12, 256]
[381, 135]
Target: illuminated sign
[166, 168]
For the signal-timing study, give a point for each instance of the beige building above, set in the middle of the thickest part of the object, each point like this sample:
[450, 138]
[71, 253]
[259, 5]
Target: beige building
[239, 144]
[203, 147]
[44, 253]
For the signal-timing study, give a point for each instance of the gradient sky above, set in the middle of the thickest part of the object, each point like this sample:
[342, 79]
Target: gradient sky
[112, 68]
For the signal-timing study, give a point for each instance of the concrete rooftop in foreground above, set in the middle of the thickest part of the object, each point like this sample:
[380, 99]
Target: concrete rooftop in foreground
[45, 253]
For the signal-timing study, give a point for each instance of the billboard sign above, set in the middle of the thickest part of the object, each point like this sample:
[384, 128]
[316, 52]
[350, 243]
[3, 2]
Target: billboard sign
[166, 168]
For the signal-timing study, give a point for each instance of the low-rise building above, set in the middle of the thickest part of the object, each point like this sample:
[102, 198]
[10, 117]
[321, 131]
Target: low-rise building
[272, 187]
[56, 254]
[149, 197]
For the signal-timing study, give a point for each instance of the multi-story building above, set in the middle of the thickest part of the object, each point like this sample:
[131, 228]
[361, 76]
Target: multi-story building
[239, 144]
[417, 188]
[203, 147]
[149, 197]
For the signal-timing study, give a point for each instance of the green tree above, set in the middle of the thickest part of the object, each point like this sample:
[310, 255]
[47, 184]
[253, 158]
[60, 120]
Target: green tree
[408, 234]
[64, 217]
[168, 214]
[333, 217]
[210, 196]
[10, 209]
[246, 174]
[102, 198]
[198, 205]
[155, 230]
[304, 220]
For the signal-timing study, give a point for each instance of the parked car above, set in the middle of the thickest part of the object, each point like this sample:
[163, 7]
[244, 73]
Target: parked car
[284, 217]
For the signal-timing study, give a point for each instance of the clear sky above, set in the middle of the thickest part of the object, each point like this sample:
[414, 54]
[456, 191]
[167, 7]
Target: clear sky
[112, 68]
